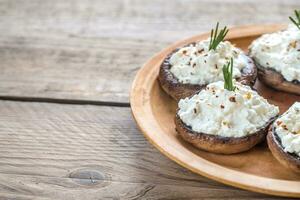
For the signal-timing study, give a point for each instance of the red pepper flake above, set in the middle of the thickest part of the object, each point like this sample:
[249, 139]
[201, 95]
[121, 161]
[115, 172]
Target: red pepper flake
[184, 52]
[222, 106]
[195, 110]
[278, 123]
[293, 44]
[200, 51]
[284, 127]
[232, 99]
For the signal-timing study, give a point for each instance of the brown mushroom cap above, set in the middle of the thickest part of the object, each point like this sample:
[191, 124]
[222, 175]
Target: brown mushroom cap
[220, 144]
[178, 90]
[291, 161]
[275, 80]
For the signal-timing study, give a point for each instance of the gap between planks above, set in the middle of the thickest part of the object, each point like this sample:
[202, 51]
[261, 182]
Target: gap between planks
[64, 101]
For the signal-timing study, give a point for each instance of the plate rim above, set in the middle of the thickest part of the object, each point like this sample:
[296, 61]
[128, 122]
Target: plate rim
[140, 107]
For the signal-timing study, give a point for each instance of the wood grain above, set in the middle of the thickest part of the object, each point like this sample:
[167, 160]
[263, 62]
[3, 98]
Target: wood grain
[75, 50]
[52, 151]
[255, 170]
[91, 50]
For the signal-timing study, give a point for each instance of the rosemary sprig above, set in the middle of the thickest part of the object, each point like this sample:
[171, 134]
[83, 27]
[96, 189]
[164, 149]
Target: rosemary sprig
[297, 20]
[227, 73]
[216, 37]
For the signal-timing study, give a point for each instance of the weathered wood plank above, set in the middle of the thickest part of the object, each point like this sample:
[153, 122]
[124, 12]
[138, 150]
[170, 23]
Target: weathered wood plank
[93, 152]
[34, 187]
[92, 49]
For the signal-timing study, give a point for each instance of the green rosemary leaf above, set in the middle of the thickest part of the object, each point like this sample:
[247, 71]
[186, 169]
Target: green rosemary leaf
[216, 36]
[296, 21]
[297, 14]
[211, 35]
[227, 74]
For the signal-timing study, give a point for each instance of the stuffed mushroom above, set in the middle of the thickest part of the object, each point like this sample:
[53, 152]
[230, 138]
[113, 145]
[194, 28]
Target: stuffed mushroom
[277, 57]
[191, 68]
[284, 138]
[223, 121]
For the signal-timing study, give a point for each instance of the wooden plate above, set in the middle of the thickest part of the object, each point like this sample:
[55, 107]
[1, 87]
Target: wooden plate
[154, 111]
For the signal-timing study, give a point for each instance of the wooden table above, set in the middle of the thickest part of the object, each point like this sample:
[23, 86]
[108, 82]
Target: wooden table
[66, 131]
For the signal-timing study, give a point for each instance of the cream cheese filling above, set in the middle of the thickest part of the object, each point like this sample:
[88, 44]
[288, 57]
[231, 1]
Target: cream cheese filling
[196, 64]
[287, 128]
[279, 51]
[217, 111]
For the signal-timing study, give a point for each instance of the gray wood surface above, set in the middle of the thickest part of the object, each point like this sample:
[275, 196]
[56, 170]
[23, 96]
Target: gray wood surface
[76, 51]
[91, 50]
[55, 151]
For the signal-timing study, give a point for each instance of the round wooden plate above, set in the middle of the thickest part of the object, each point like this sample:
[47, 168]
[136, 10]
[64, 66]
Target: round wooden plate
[154, 111]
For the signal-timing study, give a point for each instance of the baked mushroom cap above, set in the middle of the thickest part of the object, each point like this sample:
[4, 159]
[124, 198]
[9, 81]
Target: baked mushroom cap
[178, 90]
[276, 57]
[291, 161]
[275, 80]
[220, 144]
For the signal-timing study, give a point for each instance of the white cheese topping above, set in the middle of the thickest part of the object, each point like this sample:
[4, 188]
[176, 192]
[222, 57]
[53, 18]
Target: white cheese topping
[288, 129]
[195, 64]
[217, 111]
[279, 51]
